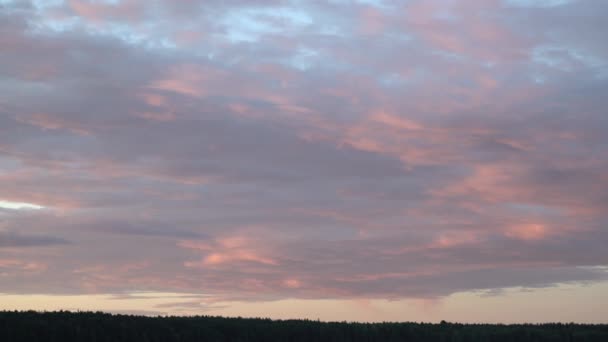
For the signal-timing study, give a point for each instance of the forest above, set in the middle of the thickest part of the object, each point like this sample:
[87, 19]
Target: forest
[64, 326]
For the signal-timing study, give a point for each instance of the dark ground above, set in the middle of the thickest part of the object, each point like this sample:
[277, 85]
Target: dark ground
[95, 327]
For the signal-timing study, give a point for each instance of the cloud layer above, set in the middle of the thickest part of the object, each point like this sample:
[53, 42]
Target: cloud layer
[262, 150]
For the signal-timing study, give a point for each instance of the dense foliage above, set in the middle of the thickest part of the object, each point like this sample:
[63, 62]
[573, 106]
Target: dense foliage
[96, 327]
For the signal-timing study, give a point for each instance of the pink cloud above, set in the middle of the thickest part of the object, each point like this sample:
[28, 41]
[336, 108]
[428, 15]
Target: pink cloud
[292, 283]
[227, 251]
[12, 265]
[372, 21]
[449, 240]
[394, 121]
[51, 122]
[528, 232]
[465, 28]
[188, 79]
[98, 11]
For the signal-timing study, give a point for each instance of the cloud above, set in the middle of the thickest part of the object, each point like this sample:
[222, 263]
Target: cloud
[15, 240]
[268, 150]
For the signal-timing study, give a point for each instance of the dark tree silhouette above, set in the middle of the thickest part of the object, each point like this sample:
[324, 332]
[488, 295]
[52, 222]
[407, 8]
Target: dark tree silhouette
[65, 326]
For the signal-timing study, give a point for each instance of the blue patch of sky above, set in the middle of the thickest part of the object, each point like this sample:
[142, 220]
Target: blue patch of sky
[42, 4]
[537, 3]
[250, 24]
[124, 32]
[392, 80]
[569, 59]
[304, 59]
[374, 3]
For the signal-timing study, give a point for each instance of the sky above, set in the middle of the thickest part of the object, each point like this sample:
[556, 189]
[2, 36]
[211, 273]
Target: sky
[365, 160]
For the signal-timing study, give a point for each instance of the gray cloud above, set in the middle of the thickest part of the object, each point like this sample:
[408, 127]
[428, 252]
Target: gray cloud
[15, 240]
[278, 149]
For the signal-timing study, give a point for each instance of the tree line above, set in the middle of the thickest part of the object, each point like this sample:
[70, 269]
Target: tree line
[64, 326]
